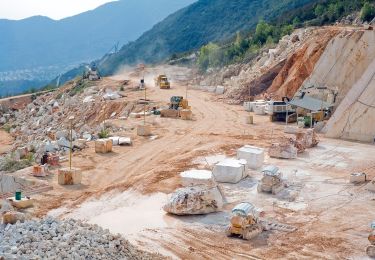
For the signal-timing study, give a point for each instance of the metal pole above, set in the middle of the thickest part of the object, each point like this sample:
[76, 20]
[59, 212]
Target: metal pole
[71, 144]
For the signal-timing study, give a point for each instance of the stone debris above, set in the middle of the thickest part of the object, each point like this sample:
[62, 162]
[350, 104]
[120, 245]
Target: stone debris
[254, 156]
[230, 171]
[194, 201]
[285, 149]
[65, 239]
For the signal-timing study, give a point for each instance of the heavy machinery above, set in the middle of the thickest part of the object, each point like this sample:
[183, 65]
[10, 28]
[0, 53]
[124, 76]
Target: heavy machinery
[272, 180]
[178, 107]
[92, 74]
[162, 82]
[244, 221]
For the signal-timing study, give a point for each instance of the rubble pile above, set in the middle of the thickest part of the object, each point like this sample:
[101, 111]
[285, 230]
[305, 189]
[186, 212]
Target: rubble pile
[43, 126]
[66, 239]
[238, 77]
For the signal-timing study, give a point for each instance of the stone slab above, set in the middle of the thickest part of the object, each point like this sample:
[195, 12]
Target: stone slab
[143, 130]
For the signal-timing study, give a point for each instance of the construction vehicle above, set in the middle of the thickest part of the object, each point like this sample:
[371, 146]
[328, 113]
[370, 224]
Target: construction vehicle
[272, 180]
[92, 74]
[178, 107]
[244, 221]
[162, 82]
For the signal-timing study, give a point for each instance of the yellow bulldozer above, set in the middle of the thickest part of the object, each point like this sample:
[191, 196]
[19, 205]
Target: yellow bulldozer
[162, 82]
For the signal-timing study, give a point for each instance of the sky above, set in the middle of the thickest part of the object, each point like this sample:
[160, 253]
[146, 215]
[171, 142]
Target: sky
[55, 9]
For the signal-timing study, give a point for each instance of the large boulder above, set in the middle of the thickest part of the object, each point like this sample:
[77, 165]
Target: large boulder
[194, 201]
[285, 149]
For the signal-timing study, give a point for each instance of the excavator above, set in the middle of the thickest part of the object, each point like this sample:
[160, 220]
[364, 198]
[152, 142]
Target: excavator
[162, 82]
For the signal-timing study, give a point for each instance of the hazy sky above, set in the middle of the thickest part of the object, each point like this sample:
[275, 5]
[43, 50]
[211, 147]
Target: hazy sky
[55, 9]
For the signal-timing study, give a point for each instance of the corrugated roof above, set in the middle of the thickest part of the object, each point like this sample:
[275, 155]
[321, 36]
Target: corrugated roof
[310, 103]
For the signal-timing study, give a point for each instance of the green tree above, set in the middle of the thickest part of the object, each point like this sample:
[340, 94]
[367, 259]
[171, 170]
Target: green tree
[262, 32]
[367, 12]
[319, 10]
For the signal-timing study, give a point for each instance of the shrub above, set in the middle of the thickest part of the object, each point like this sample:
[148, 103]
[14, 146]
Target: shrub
[104, 133]
[10, 164]
[367, 12]
[7, 128]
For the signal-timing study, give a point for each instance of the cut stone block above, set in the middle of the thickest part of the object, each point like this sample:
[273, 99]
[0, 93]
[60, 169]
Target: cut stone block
[103, 146]
[359, 177]
[249, 120]
[173, 113]
[194, 201]
[38, 171]
[230, 171]
[53, 160]
[125, 141]
[144, 130]
[21, 204]
[186, 114]
[68, 176]
[220, 90]
[289, 129]
[115, 140]
[283, 151]
[197, 177]
[254, 156]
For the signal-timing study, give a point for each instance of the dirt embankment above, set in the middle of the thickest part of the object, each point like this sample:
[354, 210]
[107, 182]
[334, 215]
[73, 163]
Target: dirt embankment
[300, 65]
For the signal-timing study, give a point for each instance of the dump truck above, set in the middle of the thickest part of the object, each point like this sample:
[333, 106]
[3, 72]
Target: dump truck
[272, 180]
[162, 82]
[244, 221]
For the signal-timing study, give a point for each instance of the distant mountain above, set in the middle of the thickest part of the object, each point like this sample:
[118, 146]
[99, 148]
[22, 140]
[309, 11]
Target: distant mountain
[196, 25]
[40, 41]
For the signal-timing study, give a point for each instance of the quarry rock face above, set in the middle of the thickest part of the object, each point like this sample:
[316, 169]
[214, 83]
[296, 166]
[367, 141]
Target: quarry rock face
[194, 201]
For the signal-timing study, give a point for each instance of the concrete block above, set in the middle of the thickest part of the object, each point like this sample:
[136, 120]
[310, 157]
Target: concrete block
[197, 177]
[186, 114]
[21, 204]
[144, 130]
[230, 171]
[103, 146]
[254, 156]
[68, 176]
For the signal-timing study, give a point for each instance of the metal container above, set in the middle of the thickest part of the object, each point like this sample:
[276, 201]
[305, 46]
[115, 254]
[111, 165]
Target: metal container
[18, 195]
